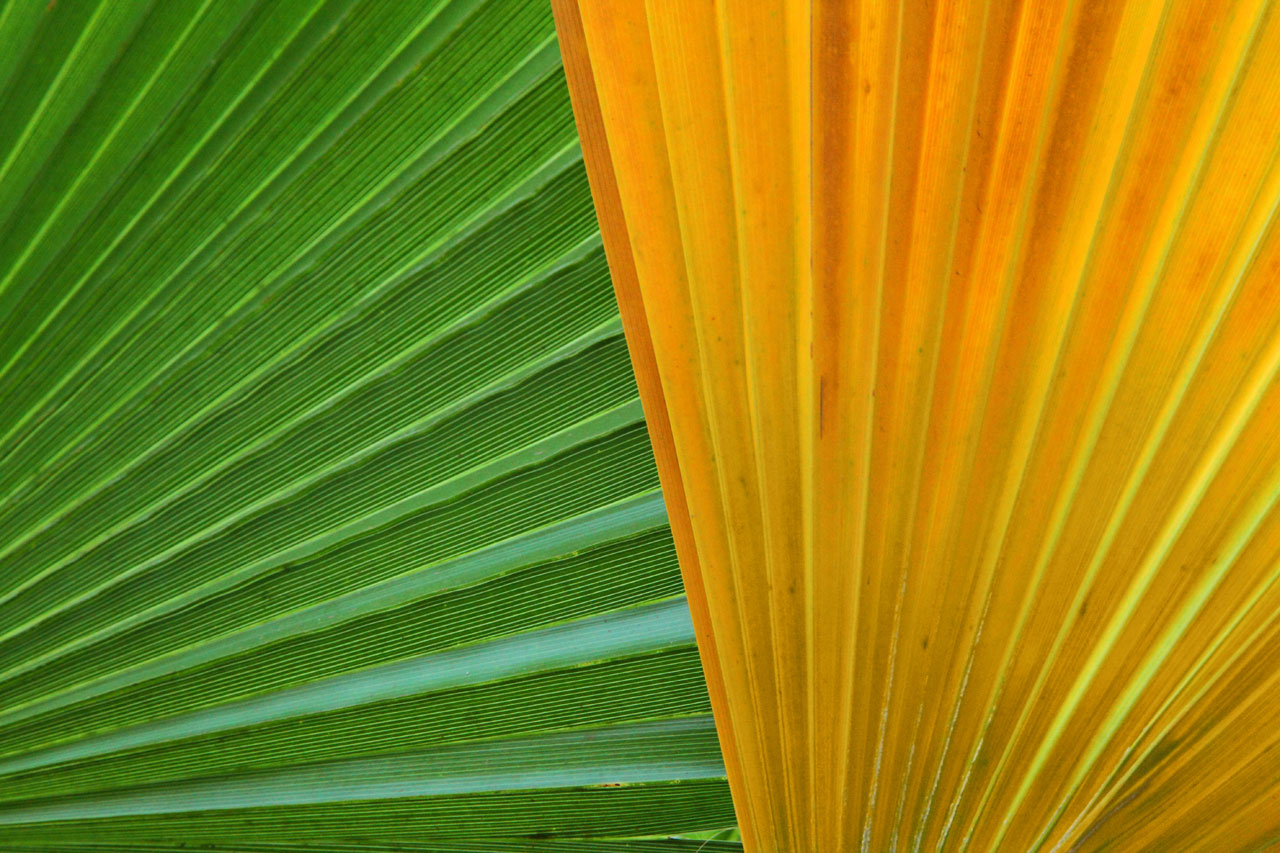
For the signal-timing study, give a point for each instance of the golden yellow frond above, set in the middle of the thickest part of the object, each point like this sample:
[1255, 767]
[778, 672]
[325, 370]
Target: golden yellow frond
[957, 325]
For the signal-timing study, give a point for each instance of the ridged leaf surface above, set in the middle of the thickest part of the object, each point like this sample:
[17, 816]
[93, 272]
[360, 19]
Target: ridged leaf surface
[328, 514]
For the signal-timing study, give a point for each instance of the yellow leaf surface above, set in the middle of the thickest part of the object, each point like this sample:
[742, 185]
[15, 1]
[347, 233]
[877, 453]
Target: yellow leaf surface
[958, 329]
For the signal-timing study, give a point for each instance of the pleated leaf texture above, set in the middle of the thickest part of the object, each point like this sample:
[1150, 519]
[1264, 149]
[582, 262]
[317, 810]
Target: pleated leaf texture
[958, 325]
[328, 515]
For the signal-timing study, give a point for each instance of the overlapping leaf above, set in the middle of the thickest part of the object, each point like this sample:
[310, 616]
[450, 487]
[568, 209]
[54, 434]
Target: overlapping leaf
[965, 341]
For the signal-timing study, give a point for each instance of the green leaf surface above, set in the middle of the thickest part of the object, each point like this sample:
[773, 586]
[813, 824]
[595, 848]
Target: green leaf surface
[328, 518]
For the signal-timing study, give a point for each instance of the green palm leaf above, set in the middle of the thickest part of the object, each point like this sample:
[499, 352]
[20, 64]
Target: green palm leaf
[327, 511]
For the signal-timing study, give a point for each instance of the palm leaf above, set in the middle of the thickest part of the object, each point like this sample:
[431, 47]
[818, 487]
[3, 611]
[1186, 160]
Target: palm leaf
[328, 515]
[964, 351]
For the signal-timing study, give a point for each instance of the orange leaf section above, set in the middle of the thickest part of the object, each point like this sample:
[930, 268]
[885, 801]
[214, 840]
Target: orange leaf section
[958, 327]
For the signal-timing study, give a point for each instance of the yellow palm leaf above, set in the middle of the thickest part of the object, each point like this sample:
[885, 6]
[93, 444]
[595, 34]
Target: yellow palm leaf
[957, 326]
